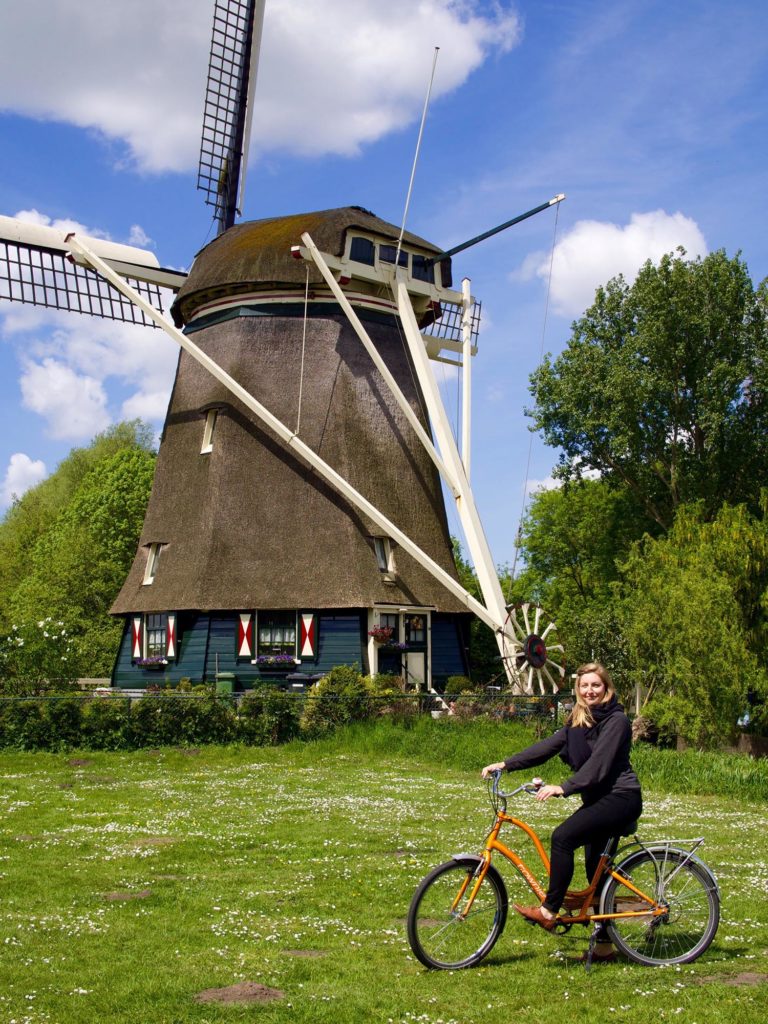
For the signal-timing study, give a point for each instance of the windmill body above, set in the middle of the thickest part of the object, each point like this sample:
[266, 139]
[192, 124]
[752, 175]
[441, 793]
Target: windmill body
[249, 563]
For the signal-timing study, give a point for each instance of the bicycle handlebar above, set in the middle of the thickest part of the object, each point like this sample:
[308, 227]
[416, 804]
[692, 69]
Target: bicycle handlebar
[531, 787]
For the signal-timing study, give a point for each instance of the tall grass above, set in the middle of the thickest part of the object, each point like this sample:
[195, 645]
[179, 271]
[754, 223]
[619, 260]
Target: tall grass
[470, 744]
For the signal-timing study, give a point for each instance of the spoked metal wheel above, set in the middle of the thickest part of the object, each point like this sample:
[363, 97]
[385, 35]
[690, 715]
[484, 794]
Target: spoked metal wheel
[537, 660]
[683, 888]
[443, 933]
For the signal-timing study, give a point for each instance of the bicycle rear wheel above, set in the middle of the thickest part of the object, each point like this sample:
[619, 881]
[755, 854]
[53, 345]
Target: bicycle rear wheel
[688, 894]
[440, 936]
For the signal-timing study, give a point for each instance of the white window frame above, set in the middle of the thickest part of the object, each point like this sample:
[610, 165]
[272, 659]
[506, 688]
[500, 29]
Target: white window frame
[209, 430]
[153, 558]
[385, 558]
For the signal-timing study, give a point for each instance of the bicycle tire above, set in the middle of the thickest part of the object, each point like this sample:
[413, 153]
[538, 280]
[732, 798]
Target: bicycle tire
[439, 936]
[677, 881]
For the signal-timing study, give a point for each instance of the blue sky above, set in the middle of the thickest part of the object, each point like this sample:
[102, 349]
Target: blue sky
[650, 116]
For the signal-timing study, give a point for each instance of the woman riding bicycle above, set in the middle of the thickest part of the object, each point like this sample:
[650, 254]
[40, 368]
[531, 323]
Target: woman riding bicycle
[595, 743]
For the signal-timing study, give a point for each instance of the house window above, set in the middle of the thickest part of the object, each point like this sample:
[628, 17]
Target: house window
[153, 558]
[210, 426]
[155, 635]
[389, 621]
[277, 633]
[415, 629]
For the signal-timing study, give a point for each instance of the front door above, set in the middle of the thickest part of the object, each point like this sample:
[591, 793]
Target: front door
[416, 650]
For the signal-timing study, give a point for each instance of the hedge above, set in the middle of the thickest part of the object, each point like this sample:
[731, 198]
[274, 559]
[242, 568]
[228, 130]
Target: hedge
[120, 723]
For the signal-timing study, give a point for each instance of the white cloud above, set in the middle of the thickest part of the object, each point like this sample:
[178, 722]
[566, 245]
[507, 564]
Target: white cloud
[21, 474]
[593, 251]
[73, 405]
[548, 484]
[74, 368]
[145, 405]
[329, 81]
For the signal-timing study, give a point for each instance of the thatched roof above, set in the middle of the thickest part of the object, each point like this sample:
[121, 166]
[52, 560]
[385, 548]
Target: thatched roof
[248, 525]
[257, 253]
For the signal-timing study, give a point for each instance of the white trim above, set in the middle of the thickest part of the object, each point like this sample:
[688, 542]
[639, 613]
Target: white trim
[208, 431]
[150, 569]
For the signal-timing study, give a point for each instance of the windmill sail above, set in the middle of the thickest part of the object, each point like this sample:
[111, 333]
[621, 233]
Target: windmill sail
[36, 267]
[228, 105]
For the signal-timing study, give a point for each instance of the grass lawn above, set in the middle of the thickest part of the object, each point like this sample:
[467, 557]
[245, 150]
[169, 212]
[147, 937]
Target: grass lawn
[132, 882]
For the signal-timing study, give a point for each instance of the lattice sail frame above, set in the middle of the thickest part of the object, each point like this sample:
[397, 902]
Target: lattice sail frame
[46, 277]
[224, 113]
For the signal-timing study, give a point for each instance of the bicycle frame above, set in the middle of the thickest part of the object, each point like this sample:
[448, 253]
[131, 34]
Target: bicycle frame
[603, 872]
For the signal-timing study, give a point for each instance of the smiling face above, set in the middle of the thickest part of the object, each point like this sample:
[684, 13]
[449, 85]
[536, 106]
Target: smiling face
[591, 689]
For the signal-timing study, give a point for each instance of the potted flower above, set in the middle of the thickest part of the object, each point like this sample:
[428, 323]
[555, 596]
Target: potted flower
[154, 661]
[276, 661]
[381, 634]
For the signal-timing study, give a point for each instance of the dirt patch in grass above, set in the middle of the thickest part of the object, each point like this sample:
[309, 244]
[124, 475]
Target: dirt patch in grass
[142, 894]
[153, 841]
[245, 992]
[79, 762]
[746, 978]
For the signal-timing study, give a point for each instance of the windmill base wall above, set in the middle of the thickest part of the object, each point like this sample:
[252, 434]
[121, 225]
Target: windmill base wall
[207, 647]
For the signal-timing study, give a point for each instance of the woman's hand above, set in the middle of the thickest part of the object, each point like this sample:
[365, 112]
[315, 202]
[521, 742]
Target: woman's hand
[547, 791]
[497, 766]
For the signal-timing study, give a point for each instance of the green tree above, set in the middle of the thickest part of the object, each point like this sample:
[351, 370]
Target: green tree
[663, 387]
[82, 551]
[694, 614]
[572, 541]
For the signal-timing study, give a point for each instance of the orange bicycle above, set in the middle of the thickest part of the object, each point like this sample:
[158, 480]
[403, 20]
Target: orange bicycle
[659, 902]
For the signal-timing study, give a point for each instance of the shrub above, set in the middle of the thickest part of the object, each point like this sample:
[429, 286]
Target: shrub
[163, 719]
[268, 717]
[106, 723]
[337, 699]
[456, 685]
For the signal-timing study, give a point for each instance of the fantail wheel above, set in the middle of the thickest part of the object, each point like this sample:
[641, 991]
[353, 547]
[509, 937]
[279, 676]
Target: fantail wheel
[537, 663]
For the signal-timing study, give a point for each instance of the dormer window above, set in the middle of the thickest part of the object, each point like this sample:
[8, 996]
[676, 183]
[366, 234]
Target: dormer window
[208, 431]
[387, 254]
[421, 269]
[153, 558]
[362, 250]
[385, 560]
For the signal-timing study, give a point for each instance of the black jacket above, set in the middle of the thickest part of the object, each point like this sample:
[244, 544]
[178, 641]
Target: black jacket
[607, 768]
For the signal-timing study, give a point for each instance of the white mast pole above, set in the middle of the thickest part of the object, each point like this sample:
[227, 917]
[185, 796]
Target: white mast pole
[466, 366]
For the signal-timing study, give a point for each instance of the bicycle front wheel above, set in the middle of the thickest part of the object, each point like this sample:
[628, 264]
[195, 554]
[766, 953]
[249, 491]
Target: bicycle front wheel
[446, 934]
[687, 894]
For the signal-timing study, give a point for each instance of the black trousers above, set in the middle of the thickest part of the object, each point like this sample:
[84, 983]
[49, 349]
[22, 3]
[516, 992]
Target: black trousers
[591, 827]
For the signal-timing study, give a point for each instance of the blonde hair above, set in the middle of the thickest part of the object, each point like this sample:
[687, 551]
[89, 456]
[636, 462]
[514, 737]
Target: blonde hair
[581, 715]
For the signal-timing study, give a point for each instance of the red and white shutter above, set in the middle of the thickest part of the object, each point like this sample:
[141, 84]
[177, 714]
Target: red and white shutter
[307, 649]
[170, 636]
[245, 636]
[137, 637]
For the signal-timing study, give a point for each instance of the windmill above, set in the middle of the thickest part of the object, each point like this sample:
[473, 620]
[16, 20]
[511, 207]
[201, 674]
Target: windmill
[296, 519]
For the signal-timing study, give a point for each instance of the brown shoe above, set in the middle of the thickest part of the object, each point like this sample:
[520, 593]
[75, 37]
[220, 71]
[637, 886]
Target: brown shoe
[535, 916]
